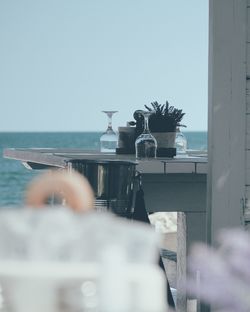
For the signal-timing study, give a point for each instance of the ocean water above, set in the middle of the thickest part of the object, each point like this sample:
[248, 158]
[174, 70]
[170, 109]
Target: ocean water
[14, 177]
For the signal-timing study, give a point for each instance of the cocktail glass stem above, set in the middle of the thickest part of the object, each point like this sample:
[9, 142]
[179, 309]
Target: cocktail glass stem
[146, 127]
[109, 114]
[110, 121]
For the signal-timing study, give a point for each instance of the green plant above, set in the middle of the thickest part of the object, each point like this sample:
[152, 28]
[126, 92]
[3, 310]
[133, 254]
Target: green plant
[164, 118]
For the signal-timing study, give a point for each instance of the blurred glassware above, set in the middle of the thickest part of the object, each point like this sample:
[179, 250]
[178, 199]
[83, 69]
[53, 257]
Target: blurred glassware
[73, 261]
[109, 138]
[145, 144]
[180, 142]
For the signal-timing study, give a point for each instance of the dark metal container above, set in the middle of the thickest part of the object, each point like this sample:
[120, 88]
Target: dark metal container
[112, 182]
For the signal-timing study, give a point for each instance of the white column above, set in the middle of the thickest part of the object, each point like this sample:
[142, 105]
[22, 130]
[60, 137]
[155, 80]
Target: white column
[227, 114]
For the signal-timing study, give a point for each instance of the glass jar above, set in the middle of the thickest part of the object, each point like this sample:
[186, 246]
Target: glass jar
[180, 143]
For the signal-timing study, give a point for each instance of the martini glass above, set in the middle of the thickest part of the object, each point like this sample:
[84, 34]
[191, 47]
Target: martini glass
[109, 138]
[145, 144]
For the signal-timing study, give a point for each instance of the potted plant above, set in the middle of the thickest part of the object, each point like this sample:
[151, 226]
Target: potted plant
[163, 124]
[164, 118]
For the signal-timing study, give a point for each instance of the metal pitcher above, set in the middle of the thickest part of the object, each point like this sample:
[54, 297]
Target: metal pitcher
[112, 182]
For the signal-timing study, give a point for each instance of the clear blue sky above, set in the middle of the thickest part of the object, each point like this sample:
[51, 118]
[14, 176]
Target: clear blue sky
[64, 61]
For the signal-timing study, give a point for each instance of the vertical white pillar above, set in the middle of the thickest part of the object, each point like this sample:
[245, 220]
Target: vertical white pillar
[227, 113]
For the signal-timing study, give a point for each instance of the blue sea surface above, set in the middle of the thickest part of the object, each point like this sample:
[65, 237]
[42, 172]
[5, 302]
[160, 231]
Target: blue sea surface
[14, 177]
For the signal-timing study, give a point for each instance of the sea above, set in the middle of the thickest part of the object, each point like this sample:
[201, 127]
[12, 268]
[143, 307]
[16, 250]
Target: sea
[14, 177]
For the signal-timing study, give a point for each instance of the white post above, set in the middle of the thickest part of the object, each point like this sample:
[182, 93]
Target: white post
[227, 114]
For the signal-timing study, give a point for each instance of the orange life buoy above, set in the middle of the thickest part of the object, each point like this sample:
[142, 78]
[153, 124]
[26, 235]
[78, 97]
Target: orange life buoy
[72, 186]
